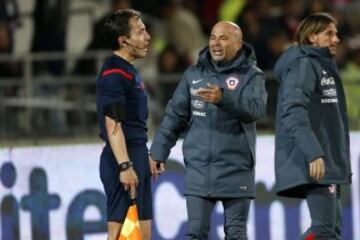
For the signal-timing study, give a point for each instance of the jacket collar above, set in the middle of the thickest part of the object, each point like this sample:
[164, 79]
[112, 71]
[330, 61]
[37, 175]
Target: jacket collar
[244, 59]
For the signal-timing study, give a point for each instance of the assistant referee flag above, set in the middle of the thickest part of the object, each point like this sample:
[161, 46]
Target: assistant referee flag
[131, 227]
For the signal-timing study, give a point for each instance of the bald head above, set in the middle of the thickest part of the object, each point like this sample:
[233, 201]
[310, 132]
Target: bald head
[225, 41]
[231, 27]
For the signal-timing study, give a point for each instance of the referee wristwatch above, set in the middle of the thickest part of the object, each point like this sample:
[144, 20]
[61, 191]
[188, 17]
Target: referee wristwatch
[125, 166]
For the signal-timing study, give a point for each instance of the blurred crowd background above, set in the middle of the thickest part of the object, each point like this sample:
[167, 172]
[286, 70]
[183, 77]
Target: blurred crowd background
[50, 52]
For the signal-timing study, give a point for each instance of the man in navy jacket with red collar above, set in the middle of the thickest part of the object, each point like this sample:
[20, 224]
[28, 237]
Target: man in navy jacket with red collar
[125, 168]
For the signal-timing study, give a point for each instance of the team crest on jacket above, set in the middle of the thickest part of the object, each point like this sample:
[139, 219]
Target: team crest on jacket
[332, 188]
[232, 82]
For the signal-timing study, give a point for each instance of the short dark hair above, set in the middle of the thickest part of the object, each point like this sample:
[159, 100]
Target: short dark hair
[117, 24]
[315, 23]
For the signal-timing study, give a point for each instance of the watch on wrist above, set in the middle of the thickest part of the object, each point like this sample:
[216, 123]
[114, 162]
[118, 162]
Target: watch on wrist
[125, 165]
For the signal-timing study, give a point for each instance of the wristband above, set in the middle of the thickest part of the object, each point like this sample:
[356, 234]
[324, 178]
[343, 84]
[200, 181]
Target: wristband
[125, 166]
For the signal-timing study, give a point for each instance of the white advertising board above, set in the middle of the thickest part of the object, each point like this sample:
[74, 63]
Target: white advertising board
[55, 193]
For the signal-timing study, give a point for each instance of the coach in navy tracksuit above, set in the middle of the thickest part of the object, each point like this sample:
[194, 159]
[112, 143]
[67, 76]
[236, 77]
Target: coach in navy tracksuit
[122, 114]
[312, 136]
[217, 102]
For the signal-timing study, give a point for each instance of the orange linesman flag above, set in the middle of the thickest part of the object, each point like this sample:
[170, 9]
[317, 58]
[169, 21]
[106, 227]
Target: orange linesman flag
[131, 227]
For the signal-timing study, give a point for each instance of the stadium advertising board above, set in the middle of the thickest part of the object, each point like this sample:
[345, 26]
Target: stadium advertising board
[54, 192]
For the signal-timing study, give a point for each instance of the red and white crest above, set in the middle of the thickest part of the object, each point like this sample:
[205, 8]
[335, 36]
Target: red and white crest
[232, 82]
[332, 188]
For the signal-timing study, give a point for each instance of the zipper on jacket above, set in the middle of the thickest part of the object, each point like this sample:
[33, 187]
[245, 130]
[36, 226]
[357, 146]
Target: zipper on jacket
[213, 125]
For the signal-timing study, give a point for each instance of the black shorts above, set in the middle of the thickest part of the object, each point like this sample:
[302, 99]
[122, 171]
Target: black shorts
[117, 199]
